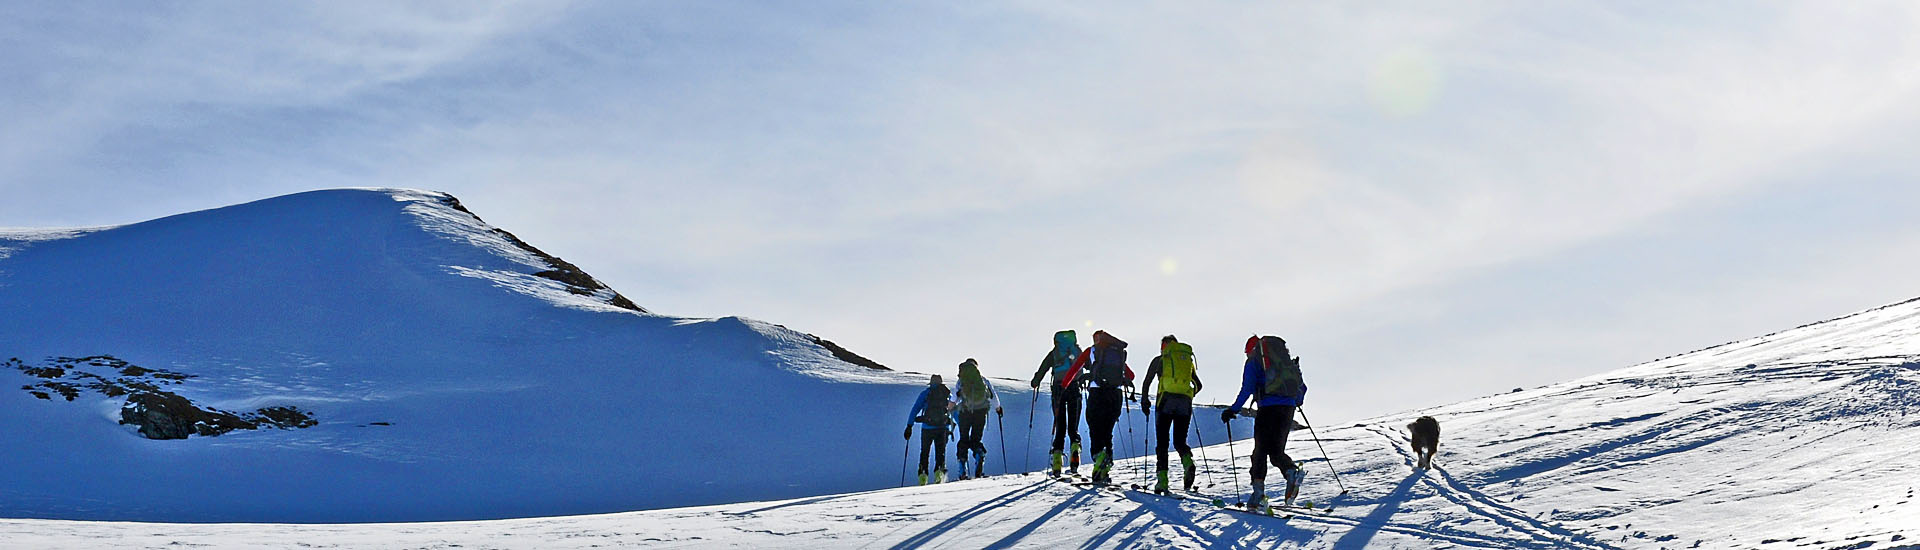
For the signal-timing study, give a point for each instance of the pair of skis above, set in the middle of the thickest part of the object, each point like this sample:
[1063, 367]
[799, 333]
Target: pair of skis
[1279, 511]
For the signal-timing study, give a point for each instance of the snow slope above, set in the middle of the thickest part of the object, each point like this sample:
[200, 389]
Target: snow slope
[449, 379]
[1799, 439]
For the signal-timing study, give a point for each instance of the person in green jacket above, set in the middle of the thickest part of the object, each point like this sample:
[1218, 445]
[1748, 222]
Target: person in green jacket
[975, 396]
[1179, 377]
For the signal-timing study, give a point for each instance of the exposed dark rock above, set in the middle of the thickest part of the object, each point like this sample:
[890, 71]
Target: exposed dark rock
[165, 415]
[576, 279]
[841, 353]
[44, 372]
[158, 414]
[844, 354]
[287, 418]
[64, 389]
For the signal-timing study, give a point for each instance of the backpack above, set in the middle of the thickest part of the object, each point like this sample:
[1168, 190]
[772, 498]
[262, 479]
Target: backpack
[973, 387]
[1282, 369]
[1176, 369]
[1066, 346]
[1110, 366]
[937, 401]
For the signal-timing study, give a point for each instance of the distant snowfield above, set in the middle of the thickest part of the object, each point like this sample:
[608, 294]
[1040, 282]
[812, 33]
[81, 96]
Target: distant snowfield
[1801, 439]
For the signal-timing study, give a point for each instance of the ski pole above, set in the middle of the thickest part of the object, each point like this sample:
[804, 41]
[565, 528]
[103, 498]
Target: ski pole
[1203, 452]
[1323, 450]
[903, 461]
[1146, 437]
[1233, 459]
[1032, 403]
[1001, 420]
[1127, 397]
[1124, 443]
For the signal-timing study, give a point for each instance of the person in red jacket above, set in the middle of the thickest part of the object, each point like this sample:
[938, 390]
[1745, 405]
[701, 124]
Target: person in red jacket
[1103, 366]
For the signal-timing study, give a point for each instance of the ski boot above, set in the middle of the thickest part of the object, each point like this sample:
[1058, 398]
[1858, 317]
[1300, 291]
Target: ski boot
[1160, 483]
[939, 476]
[1257, 500]
[1056, 464]
[1076, 458]
[1187, 462]
[1294, 477]
[979, 466]
[923, 477]
[1100, 467]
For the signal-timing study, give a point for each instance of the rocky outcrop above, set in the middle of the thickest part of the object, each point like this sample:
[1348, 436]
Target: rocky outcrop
[577, 280]
[154, 411]
[844, 354]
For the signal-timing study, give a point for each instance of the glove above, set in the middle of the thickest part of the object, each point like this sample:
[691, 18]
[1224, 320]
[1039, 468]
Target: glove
[1034, 385]
[907, 434]
[1228, 414]
[999, 411]
[1146, 408]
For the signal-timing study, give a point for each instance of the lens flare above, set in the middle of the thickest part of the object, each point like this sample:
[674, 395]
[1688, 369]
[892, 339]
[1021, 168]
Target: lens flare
[1404, 83]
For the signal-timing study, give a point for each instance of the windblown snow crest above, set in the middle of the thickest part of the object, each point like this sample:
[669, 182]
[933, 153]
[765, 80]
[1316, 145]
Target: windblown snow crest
[477, 231]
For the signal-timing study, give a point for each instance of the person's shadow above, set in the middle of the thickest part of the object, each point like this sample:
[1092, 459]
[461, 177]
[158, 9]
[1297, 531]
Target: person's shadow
[1363, 533]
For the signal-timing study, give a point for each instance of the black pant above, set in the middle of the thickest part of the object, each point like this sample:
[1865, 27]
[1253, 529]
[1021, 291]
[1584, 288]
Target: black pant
[1103, 410]
[1066, 417]
[972, 425]
[935, 438]
[1175, 412]
[1270, 429]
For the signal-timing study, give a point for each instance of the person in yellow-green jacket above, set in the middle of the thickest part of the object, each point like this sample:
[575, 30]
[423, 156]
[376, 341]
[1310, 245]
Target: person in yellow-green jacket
[973, 396]
[1179, 381]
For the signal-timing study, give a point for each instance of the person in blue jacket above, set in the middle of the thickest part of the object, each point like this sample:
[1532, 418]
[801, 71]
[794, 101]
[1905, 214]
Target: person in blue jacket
[935, 412]
[1272, 378]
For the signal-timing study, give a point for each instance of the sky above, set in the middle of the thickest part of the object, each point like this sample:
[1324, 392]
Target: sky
[1430, 201]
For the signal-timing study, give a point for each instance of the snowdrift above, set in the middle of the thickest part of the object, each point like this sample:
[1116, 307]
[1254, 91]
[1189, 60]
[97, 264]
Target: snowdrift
[444, 369]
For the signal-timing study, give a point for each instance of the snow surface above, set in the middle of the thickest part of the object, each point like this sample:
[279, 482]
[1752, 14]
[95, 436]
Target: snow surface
[1808, 449]
[1799, 439]
[506, 394]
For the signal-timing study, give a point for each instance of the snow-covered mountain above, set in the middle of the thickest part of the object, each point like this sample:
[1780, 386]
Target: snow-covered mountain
[385, 355]
[1800, 439]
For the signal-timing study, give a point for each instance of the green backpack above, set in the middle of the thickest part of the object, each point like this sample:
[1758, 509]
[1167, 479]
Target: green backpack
[973, 387]
[1282, 369]
[1176, 369]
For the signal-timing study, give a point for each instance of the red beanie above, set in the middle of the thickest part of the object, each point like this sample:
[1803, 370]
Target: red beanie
[1251, 342]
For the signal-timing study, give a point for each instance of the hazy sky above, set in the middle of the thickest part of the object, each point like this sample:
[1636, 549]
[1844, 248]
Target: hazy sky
[1432, 201]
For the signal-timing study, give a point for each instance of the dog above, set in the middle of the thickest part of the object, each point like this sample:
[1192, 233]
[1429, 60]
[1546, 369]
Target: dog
[1426, 440]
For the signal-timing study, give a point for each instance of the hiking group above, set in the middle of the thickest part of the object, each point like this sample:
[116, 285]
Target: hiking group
[937, 409]
[1099, 373]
